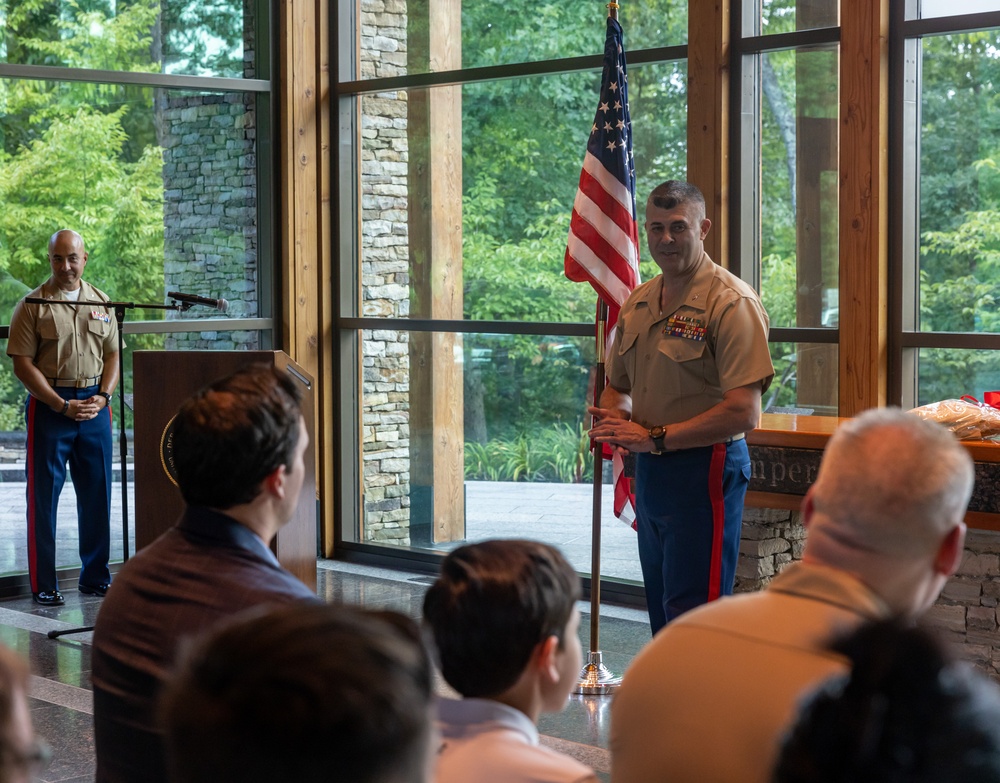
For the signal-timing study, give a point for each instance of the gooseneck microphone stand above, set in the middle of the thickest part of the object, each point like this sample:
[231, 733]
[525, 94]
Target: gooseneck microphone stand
[119, 308]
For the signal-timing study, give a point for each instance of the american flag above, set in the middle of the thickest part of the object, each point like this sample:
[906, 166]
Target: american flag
[603, 246]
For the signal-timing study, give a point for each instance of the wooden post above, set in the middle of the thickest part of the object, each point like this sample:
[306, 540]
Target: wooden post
[708, 116]
[434, 181]
[303, 81]
[864, 67]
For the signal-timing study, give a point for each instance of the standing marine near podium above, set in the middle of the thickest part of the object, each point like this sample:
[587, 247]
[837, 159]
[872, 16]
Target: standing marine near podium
[67, 359]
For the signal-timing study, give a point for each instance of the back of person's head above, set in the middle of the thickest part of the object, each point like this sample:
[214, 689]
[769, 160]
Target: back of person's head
[306, 692]
[233, 433]
[491, 606]
[675, 192]
[890, 483]
[906, 713]
[21, 754]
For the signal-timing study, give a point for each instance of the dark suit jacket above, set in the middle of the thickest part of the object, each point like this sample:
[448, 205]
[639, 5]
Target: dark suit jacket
[206, 568]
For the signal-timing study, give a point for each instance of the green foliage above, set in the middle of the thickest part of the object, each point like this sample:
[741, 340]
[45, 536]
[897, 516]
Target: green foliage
[511, 281]
[959, 209]
[79, 155]
[560, 453]
[72, 176]
[203, 37]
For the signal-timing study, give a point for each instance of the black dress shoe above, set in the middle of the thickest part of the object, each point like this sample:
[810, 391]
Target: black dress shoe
[100, 590]
[48, 598]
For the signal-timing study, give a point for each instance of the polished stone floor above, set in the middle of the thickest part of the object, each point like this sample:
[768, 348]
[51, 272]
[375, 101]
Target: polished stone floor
[61, 698]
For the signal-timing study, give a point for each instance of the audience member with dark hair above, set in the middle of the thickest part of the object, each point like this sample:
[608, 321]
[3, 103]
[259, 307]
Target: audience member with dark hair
[304, 693]
[504, 619]
[231, 436]
[239, 448]
[22, 754]
[885, 532]
[906, 712]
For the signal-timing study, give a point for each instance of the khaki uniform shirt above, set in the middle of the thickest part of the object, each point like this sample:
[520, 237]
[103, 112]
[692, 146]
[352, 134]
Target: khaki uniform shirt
[676, 365]
[66, 343]
[709, 699]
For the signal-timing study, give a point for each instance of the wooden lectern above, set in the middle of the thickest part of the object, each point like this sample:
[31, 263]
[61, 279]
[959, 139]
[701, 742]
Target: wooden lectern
[162, 381]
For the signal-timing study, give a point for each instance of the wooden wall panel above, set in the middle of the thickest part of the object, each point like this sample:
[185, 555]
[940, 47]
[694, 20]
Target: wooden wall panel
[304, 233]
[863, 206]
[708, 116]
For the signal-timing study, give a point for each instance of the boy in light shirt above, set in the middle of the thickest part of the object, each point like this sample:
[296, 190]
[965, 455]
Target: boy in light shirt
[504, 619]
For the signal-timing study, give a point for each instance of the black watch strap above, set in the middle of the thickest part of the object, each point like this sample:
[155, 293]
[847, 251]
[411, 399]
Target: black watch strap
[658, 433]
[105, 395]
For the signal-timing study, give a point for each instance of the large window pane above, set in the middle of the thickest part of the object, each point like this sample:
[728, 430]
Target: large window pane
[397, 42]
[768, 17]
[959, 228]
[805, 379]
[946, 373]
[162, 184]
[934, 8]
[466, 434]
[197, 37]
[798, 182]
[481, 236]
[13, 527]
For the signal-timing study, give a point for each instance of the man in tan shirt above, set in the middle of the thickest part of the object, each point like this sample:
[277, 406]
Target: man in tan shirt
[709, 698]
[67, 358]
[686, 372]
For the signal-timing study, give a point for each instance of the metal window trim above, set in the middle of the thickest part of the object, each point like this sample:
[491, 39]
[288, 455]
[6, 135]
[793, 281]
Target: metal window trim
[562, 329]
[944, 25]
[199, 325]
[800, 39]
[168, 81]
[492, 73]
[964, 341]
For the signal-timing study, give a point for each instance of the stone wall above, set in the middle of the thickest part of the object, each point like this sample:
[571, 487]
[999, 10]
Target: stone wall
[966, 614]
[210, 209]
[385, 267]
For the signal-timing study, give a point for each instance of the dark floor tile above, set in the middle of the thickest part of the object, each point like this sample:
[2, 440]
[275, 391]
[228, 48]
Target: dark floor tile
[63, 660]
[372, 593]
[71, 736]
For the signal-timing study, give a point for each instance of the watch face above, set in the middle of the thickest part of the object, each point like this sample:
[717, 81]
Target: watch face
[657, 432]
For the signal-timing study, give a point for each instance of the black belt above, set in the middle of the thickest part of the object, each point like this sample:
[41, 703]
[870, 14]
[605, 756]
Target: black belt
[81, 383]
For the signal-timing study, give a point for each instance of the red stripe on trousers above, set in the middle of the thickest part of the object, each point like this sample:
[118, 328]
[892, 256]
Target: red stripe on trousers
[718, 501]
[30, 475]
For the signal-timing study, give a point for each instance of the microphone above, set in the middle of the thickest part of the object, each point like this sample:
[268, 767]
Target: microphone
[191, 299]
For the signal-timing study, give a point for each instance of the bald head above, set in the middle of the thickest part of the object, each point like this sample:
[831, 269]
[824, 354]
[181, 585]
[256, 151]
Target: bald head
[65, 235]
[888, 505]
[67, 258]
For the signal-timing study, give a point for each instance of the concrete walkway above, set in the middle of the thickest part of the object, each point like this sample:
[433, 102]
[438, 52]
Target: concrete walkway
[559, 514]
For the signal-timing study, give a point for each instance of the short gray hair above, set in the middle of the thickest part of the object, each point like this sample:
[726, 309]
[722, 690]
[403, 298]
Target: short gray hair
[893, 483]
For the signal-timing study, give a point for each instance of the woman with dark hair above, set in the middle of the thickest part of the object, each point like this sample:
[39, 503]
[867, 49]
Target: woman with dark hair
[905, 712]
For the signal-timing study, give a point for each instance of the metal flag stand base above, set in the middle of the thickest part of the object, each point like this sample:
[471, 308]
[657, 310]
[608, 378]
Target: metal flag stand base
[595, 679]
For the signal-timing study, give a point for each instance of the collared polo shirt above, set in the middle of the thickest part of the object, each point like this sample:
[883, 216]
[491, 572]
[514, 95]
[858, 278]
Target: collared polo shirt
[679, 363]
[489, 742]
[68, 343]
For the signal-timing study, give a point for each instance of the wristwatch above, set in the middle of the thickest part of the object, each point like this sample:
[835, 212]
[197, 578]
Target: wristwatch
[105, 395]
[658, 433]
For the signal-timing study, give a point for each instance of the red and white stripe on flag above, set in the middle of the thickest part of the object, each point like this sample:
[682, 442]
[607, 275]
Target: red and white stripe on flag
[603, 244]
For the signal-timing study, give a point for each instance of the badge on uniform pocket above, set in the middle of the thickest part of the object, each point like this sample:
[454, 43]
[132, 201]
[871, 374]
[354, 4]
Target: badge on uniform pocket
[683, 326]
[97, 315]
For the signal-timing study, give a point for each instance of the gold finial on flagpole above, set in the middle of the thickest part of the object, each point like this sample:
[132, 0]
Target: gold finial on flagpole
[613, 9]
